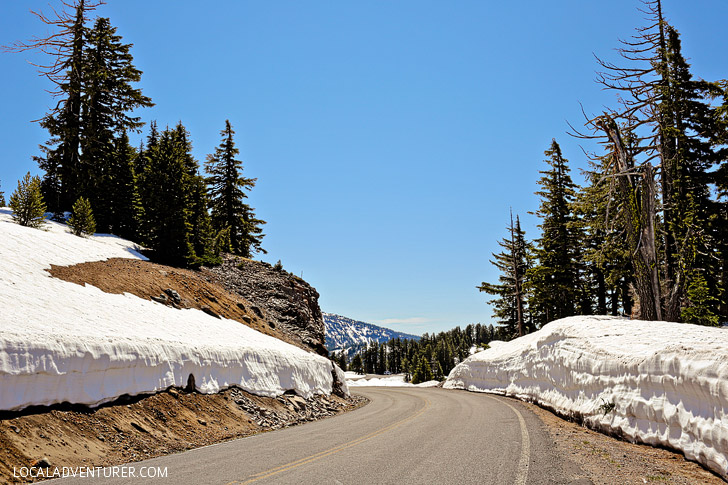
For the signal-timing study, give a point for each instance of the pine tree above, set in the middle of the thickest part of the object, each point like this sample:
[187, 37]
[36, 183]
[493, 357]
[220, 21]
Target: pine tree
[509, 308]
[82, 218]
[356, 364]
[699, 309]
[108, 98]
[605, 256]
[163, 188]
[65, 46]
[227, 197]
[120, 190]
[2, 198]
[27, 202]
[202, 235]
[423, 372]
[554, 282]
[658, 92]
[341, 361]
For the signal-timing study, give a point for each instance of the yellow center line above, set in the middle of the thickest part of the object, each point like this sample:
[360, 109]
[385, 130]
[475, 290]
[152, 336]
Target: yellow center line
[331, 451]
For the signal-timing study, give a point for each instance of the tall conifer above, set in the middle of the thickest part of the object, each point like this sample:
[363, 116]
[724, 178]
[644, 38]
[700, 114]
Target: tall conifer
[227, 187]
[554, 281]
[164, 187]
[509, 306]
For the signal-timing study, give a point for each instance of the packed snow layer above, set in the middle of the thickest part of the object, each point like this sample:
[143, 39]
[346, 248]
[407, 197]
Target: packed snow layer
[395, 380]
[654, 382]
[61, 342]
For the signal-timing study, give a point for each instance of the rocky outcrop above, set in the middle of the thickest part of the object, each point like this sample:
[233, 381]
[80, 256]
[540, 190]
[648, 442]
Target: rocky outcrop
[276, 295]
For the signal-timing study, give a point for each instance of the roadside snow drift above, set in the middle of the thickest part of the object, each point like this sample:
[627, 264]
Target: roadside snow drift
[395, 380]
[61, 342]
[654, 382]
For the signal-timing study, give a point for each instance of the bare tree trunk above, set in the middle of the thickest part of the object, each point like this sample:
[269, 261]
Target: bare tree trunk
[517, 282]
[638, 193]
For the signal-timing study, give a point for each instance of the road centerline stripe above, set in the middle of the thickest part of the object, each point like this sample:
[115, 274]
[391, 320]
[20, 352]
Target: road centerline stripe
[322, 454]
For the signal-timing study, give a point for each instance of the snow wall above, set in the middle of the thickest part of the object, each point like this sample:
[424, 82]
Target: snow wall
[658, 383]
[61, 342]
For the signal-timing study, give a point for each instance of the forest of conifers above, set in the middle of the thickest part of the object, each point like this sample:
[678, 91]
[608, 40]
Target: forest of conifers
[153, 194]
[646, 236]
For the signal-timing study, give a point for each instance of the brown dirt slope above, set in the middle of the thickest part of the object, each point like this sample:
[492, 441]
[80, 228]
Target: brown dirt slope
[150, 280]
[151, 426]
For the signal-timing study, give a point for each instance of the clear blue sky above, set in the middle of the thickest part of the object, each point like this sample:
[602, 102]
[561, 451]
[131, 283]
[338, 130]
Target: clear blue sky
[389, 139]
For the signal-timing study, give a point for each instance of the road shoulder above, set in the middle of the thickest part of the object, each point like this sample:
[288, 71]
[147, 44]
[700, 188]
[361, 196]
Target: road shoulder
[606, 460]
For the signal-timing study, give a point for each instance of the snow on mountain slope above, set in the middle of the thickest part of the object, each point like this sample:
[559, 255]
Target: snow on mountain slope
[345, 333]
[63, 342]
[654, 382]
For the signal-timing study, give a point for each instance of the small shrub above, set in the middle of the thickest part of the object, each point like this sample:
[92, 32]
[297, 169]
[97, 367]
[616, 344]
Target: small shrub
[27, 202]
[209, 260]
[278, 266]
[607, 407]
[82, 218]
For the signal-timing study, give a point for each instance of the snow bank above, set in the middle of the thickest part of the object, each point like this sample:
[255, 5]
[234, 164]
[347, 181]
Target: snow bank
[61, 342]
[394, 380]
[668, 382]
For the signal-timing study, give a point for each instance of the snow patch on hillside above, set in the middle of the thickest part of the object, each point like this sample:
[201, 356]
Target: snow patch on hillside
[654, 382]
[61, 342]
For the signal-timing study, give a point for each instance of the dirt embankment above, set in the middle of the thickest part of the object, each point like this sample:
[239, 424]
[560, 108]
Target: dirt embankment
[175, 287]
[147, 427]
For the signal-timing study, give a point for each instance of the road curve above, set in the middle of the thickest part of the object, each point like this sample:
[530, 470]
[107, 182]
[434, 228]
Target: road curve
[405, 435]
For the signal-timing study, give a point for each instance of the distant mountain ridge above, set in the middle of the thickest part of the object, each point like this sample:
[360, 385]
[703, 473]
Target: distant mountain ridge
[349, 334]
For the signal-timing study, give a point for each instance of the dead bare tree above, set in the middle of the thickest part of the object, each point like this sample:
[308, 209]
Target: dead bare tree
[636, 188]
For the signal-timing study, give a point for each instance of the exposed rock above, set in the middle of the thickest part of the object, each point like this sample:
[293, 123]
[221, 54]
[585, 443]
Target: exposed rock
[293, 410]
[285, 300]
[138, 427]
[173, 295]
[209, 311]
[41, 463]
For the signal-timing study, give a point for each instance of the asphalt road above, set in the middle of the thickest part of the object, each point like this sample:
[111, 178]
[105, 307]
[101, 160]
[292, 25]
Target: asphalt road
[405, 435]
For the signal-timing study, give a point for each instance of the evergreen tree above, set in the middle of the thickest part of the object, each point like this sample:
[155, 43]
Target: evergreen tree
[27, 202]
[699, 309]
[202, 235]
[658, 92]
[2, 198]
[509, 306]
[341, 361]
[423, 372]
[164, 187]
[92, 71]
[605, 255]
[120, 189]
[227, 197]
[356, 364]
[554, 282]
[65, 44]
[82, 218]
[108, 98]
